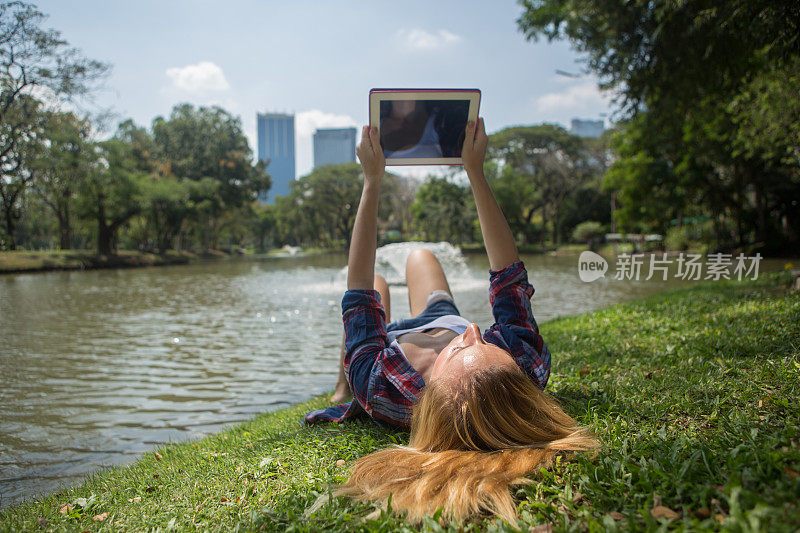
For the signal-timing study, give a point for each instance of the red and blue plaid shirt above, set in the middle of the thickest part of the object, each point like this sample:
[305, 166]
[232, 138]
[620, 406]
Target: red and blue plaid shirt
[383, 382]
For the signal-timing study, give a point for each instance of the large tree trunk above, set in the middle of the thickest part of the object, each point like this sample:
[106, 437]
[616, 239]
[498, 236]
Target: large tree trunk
[104, 233]
[65, 230]
[12, 245]
[104, 238]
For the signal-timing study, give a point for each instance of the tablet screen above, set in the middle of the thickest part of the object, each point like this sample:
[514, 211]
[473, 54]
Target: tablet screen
[422, 128]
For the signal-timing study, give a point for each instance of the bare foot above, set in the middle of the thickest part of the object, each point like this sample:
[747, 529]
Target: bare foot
[341, 394]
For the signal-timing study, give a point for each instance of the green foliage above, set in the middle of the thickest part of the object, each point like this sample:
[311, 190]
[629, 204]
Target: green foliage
[168, 201]
[444, 211]
[691, 392]
[708, 91]
[693, 236]
[31, 58]
[206, 145]
[537, 170]
[67, 156]
[112, 193]
[321, 207]
[588, 231]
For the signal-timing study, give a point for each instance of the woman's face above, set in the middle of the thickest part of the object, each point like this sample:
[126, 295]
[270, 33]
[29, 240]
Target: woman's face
[467, 353]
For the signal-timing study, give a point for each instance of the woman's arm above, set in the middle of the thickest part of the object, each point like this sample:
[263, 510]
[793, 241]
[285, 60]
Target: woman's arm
[361, 259]
[497, 236]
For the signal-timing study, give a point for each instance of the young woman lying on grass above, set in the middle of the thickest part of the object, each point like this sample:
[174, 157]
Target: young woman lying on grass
[479, 419]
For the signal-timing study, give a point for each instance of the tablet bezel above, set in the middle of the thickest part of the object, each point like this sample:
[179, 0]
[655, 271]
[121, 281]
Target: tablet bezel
[378, 95]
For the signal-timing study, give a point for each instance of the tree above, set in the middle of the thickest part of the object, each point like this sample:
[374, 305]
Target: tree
[397, 194]
[328, 199]
[443, 211]
[692, 79]
[112, 193]
[66, 158]
[208, 143]
[33, 63]
[15, 173]
[537, 167]
[263, 224]
[167, 201]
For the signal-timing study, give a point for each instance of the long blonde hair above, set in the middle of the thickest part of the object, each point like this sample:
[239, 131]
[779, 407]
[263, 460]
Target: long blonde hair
[471, 441]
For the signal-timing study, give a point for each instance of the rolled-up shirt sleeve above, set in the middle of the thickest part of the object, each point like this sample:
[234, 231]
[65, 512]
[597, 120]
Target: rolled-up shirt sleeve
[515, 329]
[381, 379]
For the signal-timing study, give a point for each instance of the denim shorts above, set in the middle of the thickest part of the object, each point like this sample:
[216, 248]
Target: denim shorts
[439, 303]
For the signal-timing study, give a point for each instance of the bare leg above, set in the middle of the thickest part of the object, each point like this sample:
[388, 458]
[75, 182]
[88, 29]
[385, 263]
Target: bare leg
[342, 392]
[424, 275]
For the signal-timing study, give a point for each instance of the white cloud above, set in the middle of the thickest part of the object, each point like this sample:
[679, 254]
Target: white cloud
[202, 77]
[580, 100]
[417, 39]
[586, 94]
[305, 123]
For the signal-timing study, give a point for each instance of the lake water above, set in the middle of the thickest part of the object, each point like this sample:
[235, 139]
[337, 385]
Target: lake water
[100, 366]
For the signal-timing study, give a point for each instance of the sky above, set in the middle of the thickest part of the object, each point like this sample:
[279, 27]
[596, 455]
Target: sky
[319, 59]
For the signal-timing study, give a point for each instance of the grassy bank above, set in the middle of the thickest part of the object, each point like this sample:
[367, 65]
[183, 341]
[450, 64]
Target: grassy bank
[32, 261]
[693, 393]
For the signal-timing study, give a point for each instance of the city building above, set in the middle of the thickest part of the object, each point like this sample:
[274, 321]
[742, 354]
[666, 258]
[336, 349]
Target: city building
[276, 147]
[587, 128]
[333, 146]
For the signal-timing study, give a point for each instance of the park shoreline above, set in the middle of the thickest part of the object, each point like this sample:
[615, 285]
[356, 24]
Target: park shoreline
[675, 379]
[24, 261]
[31, 261]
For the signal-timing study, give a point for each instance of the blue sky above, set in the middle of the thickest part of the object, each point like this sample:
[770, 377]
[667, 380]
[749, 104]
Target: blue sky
[319, 59]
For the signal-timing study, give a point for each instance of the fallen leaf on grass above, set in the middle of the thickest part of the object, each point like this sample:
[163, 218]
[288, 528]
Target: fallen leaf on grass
[719, 518]
[158, 456]
[576, 499]
[223, 499]
[100, 517]
[340, 462]
[791, 472]
[586, 369]
[616, 515]
[703, 512]
[65, 508]
[137, 499]
[663, 512]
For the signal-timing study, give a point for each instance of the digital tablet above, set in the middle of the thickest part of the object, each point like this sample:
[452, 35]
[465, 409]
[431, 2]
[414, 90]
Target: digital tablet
[422, 126]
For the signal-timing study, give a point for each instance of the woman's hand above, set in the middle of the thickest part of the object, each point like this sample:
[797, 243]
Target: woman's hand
[370, 154]
[474, 150]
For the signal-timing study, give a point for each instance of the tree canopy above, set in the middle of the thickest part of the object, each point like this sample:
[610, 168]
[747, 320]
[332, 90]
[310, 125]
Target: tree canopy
[708, 107]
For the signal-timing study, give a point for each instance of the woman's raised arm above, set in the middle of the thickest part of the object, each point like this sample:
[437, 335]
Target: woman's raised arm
[497, 236]
[361, 259]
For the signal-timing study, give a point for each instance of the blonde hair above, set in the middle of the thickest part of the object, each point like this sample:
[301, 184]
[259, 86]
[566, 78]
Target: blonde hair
[471, 442]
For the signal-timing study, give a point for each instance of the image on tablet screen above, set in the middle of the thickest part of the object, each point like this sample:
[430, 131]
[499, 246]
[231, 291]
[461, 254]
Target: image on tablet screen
[422, 128]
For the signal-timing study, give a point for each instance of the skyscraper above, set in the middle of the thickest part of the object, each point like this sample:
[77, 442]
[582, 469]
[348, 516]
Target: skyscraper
[587, 128]
[276, 146]
[333, 146]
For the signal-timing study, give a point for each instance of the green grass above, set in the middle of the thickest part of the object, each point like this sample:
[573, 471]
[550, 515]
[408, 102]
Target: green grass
[694, 394]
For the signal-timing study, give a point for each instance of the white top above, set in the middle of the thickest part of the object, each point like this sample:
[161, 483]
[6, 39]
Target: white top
[452, 322]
